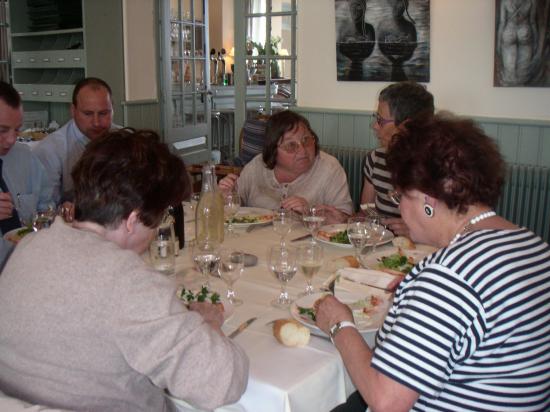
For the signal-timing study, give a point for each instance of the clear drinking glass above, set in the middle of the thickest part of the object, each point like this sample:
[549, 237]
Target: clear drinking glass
[206, 255]
[231, 268]
[283, 219]
[162, 247]
[232, 204]
[313, 218]
[43, 219]
[282, 262]
[358, 233]
[310, 260]
[377, 231]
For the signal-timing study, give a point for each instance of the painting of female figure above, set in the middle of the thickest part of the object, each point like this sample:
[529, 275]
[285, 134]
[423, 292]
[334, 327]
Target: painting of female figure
[382, 40]
[522, 43]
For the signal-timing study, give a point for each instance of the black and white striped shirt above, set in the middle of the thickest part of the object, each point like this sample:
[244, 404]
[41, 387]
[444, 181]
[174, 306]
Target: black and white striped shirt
[377, 173]
[470, 326]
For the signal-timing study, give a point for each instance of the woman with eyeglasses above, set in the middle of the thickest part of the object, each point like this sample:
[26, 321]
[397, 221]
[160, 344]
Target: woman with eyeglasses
[469, 325]
[398, 103]
[292, 172]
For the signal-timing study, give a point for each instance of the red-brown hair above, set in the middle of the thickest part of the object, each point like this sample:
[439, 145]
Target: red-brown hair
[448, 158]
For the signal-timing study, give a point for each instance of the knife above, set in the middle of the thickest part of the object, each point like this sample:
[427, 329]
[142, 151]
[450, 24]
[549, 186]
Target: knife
[241, 327]
[301, 238]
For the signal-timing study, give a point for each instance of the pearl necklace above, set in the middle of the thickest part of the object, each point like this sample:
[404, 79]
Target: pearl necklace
[473, 221]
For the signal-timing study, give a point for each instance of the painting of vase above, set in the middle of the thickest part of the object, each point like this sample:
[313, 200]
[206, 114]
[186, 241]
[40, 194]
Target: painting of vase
[383, 40]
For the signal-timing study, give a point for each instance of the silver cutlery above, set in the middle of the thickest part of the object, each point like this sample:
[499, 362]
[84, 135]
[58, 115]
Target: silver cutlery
[241, 327]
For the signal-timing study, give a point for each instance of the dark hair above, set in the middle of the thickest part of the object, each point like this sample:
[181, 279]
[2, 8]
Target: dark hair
[407, 100]
[128, 170]
[94, 82]
[9, 95]
[448, 158]
[277, 125]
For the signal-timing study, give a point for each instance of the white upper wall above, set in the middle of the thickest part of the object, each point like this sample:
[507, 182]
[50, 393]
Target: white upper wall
[462, 50]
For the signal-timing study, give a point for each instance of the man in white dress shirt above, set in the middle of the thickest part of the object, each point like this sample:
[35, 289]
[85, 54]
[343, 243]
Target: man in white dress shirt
[92, 116]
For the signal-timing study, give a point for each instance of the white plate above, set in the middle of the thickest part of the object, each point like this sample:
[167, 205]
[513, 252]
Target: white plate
[372, 260]
[228, 308]
[253, 212]
[368, 323]
[339, 227]
[13, 237]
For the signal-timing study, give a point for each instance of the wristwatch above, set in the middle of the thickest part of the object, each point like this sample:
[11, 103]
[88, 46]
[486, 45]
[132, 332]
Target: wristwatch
[334, 329]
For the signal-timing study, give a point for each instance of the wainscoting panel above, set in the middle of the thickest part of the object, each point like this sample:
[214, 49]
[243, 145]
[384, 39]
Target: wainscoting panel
[142, 115]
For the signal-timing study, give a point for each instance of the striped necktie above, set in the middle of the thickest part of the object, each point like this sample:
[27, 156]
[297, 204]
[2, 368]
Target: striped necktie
[11, 222]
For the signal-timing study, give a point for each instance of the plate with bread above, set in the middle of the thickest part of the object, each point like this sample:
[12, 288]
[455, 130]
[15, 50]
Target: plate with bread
[398, 260]
[336, 235]
[369, 307]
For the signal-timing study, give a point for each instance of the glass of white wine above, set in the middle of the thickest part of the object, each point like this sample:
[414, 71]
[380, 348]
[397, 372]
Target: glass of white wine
[282, 262]
[232, 204]
[206, 255]
[283, 219]
[231, 268]
[310, 260]
[313, 218]
[358, 233]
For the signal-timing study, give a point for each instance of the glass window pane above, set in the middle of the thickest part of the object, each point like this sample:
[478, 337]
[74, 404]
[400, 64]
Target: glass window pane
[281, 6]
[255, 35]
[199, 11]
[185, 9]
[176, 74]
[199, 39]
[200, 102]
[187, 74]
[252, 66]
[175, 40]
[174, 10]
[188, 109]
[177, 119]
[187, 40]
[256, 6]
[199, 73]
[281, 35]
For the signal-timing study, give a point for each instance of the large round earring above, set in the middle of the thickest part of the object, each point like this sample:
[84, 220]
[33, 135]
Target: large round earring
[429, 210]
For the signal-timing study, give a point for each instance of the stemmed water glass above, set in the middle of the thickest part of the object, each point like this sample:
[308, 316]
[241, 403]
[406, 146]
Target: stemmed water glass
[231, 268]
[310, 259]
[377, 231]
[283, 219]
[206, 255]
[232, 204]
[358, 233]
[313, 218]
[282, 262]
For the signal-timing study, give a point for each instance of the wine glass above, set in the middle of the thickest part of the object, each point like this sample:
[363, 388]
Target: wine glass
[206, 255]
[310, 259]
[43, 218]
[232, 203]
[231, 268]
[282, 262]
[313, 218]
[358, 233]
[283, 219]
[377, 231]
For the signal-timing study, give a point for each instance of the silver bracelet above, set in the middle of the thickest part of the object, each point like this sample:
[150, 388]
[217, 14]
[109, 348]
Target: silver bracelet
[334, 329]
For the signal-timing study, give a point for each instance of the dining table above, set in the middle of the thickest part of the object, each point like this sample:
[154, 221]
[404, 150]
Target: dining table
[281, 378]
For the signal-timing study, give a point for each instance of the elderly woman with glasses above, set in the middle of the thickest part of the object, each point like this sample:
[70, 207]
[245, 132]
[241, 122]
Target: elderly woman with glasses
[468, 328]
[398, 103]
[292, 172]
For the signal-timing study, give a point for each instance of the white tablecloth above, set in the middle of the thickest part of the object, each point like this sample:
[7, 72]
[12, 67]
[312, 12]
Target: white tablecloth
[281, 379]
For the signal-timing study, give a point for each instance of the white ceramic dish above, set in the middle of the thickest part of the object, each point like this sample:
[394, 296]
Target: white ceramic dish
[228, 308]
[365, 323]
[339, 227]
[254, 212]
[13, 237]
[372, 260]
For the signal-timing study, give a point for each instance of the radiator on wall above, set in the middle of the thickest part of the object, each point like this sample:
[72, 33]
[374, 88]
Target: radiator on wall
[525, 198]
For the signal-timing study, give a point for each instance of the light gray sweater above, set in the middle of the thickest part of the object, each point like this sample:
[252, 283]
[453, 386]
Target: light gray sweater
[86, 325]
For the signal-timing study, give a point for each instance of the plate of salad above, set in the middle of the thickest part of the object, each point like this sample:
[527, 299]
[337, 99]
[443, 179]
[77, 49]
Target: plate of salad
[205, 295]
[336, 235]
[248, 216]
[14, 236]
[369, 310]
[396, 261]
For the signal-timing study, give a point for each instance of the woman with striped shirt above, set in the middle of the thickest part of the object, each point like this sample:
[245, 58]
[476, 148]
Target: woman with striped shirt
[469, 329]
[397, 104]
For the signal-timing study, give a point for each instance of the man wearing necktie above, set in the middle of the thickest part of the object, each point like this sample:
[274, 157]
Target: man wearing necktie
[23, 185]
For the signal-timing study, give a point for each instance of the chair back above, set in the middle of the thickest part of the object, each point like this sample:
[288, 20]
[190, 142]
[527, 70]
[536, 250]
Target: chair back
[251, 139]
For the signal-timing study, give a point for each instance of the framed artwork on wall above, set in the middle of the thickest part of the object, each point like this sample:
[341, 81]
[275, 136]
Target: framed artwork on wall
[382, 40]
[522, 43]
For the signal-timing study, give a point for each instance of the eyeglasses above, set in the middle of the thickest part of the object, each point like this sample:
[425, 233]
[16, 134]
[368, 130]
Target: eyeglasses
[293, 146]
[395, 197]
[380, 120]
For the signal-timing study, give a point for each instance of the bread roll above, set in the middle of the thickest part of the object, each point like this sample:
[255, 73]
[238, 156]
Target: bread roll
[291, 333]
[343, 262]
[403, 242]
